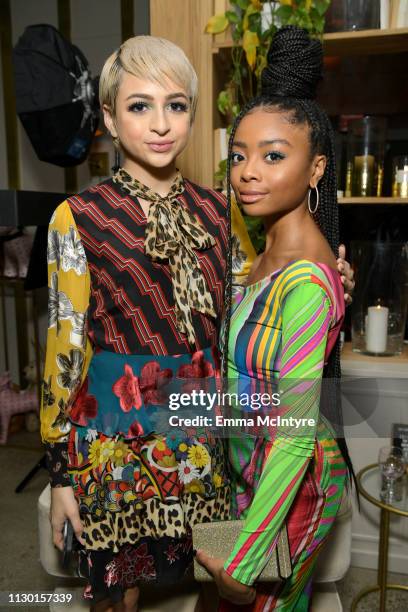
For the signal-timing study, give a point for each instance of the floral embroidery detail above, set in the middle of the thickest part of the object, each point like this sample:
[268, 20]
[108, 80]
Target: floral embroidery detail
[61, 420]
[77, 335]
[174, 438]
[85, 406]
[135, 430]
[217, 480]
[238, 256]
[195, 486]
[48, 396]
[72, 253]
[91, 435]
[117, 473]
[106, 451]
[94, 453]
[172, 552]
[71, 369]
[198, 456]
[120, 452]
[129, 566]
[59, 306]
[198, 368]
[126, 388]
[187, 472]
[54, 247]
[152, 379]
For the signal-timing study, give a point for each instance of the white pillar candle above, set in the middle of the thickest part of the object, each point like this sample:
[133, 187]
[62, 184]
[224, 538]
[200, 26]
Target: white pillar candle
[376, 329]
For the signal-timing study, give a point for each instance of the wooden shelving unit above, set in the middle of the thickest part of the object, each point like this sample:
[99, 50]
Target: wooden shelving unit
[185, 27]
[363, 42]
[373, 201]
[347, 355]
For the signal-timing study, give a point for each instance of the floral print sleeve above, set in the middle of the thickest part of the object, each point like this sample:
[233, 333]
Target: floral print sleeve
[243, 252]
[68, 350]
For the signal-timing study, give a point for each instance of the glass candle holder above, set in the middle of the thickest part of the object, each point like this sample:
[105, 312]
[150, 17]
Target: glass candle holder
[379, 308]
[365, 156]
[400, 176]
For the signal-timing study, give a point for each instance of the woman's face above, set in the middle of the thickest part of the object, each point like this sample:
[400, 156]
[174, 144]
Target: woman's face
[152, 122]
[272, 168]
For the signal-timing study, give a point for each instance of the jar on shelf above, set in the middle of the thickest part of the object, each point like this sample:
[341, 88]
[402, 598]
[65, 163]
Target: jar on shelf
[400, 176]
[352, 15]
[365, 157]
[379, 308]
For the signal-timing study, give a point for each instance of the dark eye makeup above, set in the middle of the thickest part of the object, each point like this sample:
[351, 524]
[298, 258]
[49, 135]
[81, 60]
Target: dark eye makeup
[274, 156]
[177, 107]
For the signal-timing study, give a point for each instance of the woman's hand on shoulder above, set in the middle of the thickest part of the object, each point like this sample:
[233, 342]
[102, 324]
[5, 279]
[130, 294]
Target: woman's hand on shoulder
[64, 506]
[347, 275]
[228, 588]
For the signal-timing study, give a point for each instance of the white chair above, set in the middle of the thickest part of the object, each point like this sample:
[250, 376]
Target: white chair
[332, 565]
[333, 562]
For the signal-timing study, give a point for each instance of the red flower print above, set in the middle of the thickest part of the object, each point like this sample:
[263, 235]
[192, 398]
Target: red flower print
[152, 379]
[84, 407]
[129, 566]
[172, 553]
[199, 368]
[135, 430]
[126, 388]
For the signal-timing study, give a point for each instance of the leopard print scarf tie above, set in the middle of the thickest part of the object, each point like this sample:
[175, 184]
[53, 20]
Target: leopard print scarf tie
[172, 234]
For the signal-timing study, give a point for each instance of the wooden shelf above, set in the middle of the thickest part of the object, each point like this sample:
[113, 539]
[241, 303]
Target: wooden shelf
[347, 355]
[373, 201]
[364, 42]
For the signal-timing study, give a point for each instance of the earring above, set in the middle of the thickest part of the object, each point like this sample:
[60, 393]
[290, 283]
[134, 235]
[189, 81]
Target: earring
[116, 165]
[312, 212]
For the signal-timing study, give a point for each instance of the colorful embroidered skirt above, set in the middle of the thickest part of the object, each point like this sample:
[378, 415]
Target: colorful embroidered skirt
[139, 490]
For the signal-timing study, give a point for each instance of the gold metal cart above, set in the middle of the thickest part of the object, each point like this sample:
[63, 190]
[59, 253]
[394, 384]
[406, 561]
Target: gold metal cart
[370, 489]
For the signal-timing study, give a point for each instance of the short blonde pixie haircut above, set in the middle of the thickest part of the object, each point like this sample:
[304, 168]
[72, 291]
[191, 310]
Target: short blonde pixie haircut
[151, 58]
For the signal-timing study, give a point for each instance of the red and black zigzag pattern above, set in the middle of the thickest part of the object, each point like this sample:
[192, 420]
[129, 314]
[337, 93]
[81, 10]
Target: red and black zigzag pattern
[132, 308]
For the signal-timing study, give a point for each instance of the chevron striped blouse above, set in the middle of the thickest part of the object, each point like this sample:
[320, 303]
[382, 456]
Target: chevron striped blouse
[106, 294]
[283, 328]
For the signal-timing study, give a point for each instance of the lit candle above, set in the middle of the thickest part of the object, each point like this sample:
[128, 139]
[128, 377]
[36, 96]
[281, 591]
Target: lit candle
[376, 330]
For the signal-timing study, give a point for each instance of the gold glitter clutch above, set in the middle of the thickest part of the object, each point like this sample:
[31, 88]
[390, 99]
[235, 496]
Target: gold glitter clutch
[218, 539]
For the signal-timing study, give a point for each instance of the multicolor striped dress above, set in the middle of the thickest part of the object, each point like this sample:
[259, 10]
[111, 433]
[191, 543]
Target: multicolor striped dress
[283, 329]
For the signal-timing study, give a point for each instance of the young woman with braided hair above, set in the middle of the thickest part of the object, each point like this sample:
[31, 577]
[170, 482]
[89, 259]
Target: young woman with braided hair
[282, 328]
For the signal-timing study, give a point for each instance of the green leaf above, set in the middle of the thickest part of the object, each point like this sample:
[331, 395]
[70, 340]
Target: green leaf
[284, 13]
[322, 6]
[243, 4]
[232, 17]
[223, 102]
[221, 173]
[217, 24]
[319, 23]
[255, 22]
[235, 110]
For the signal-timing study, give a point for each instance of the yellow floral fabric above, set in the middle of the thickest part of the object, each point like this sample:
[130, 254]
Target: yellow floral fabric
[69, 350]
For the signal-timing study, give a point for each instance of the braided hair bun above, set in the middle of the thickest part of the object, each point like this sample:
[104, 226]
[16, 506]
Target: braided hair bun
[294, 65]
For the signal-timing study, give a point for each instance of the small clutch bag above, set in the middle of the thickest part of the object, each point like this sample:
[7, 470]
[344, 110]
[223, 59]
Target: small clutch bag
[217, 539]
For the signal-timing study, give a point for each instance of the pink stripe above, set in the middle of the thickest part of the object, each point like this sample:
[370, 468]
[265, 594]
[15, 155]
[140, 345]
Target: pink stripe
[304, 328]
[301, 354]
